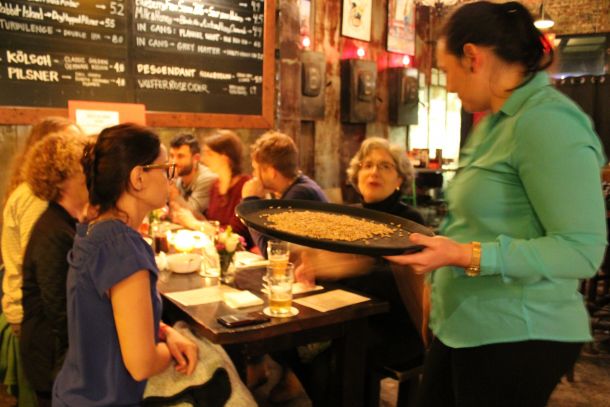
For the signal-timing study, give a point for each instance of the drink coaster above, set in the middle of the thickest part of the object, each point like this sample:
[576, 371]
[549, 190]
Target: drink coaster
[293, 311]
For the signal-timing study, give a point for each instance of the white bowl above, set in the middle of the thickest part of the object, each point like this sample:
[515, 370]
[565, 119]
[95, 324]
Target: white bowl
[161, 260]
[184, 262]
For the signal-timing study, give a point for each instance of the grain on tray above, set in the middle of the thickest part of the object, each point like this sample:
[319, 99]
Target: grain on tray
[321, 225]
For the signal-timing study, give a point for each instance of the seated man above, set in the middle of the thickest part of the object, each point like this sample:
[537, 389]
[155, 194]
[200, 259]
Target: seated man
[192, 188]
[275, 171]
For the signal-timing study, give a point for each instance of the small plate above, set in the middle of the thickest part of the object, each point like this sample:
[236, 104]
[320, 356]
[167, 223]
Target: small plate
[293, 311]
[161, 260]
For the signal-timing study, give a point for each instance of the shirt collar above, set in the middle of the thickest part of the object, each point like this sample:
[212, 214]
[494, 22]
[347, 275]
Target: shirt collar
[296, 180]
[522, 94]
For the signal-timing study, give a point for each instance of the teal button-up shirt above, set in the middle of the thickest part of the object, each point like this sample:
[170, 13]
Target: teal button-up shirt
[529, 189]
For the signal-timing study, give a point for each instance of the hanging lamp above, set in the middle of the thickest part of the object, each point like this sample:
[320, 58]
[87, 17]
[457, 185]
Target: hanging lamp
[544, 21]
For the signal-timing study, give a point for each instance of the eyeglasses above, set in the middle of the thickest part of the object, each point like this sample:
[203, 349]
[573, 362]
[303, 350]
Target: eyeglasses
[382, 166]
[170, 168]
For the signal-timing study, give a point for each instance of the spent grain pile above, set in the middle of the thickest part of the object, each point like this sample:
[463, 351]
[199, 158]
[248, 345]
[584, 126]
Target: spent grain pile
[321, 225]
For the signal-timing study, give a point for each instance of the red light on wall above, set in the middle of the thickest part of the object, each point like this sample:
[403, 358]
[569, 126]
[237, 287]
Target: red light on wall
[351, 49]
[400, 60]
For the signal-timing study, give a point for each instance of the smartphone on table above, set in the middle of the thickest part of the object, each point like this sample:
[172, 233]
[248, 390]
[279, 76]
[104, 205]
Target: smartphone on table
[243, 319]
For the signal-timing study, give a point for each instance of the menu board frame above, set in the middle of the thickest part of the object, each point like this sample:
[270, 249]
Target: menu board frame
[15, 115]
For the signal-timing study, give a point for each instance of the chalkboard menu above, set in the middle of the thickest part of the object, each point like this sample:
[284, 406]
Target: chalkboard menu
[208, 57]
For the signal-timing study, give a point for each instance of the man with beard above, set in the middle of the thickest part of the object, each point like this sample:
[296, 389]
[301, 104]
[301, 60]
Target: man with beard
[276, 173]
[192, 188]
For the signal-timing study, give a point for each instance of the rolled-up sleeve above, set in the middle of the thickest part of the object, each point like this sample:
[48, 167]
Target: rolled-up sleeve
[558, 159]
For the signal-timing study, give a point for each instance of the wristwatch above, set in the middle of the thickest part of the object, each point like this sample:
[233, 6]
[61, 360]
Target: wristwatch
[474, 268]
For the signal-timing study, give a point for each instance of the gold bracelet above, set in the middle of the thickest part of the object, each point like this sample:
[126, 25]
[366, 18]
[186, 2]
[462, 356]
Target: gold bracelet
[474, 269]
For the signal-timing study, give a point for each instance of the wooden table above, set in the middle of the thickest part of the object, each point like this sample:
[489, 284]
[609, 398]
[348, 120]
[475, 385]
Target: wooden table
[345, 326]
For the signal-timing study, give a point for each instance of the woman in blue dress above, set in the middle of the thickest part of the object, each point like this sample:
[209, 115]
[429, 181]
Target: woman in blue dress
[116, 337]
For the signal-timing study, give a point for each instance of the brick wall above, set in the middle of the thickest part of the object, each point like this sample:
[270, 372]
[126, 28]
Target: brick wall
[573, 16]
[576, 16]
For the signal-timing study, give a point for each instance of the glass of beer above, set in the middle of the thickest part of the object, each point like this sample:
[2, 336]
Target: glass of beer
[278, 255]
[279, 286]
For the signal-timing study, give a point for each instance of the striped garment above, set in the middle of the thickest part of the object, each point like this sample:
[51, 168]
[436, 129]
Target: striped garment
[21, 212]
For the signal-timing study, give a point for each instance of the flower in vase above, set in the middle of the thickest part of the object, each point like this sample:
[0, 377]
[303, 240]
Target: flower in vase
[227, 243]
[158, 215]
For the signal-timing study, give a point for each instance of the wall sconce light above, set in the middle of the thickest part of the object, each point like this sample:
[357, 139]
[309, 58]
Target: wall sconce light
[544, 21]
[406, 60]
[306, 42]
[360, 52]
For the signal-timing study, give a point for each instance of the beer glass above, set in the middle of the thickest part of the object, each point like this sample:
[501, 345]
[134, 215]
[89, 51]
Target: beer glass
[279, 289]
[278, 255]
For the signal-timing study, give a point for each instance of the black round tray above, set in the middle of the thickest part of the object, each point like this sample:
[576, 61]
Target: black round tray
[252, 213]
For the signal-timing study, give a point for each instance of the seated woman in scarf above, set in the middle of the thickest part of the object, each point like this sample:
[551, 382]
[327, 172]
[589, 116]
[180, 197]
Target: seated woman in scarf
[382, 174]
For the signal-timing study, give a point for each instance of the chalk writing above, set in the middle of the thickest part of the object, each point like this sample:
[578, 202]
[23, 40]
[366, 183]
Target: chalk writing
[180, 55]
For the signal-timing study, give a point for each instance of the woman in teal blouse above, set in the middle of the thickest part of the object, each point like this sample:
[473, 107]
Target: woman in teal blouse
[526, 221]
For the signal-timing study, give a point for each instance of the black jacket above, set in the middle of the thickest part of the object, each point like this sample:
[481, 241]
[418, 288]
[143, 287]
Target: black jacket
[393, 338]
[395, 206]
[44, 331]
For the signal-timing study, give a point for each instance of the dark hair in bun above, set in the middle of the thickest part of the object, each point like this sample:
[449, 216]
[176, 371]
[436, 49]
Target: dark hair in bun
[108, 163]
[508, 28]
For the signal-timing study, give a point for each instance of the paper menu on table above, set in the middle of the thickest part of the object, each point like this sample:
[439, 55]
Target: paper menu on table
[201, 295]
[241, 299]
[331, 300]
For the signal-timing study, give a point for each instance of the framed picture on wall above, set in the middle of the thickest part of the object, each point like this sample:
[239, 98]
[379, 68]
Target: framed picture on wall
[401, 26]
[356, 19]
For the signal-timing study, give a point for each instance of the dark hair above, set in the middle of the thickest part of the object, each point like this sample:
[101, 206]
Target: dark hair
[108, 163]
[508, 28]
[44, 127]
[226, 142]
[277, 150]
[186, 140]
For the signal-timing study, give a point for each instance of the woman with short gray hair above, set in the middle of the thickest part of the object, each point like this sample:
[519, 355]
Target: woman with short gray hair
[398, 154]
[381, 173]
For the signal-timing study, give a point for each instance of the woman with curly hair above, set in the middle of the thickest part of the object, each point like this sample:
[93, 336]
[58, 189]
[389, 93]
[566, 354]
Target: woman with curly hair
[21, 210]
[53, 172]
[40, 130]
